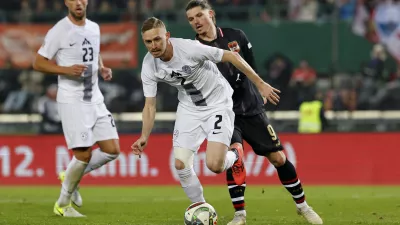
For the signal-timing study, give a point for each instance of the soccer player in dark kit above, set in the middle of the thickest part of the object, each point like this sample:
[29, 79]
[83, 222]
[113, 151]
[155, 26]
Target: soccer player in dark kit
[251, 122]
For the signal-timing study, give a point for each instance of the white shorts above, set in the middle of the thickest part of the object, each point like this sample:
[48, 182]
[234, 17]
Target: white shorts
[84, 124]
[191, 129]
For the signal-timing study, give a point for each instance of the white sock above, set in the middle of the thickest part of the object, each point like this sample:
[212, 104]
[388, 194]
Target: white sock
[241, 212]
[99, 158]
[230, 159]
[191, 185]
[73, 176]
[302, 205]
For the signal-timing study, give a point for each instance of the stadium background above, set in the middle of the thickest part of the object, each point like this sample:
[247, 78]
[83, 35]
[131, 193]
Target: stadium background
[343, 51]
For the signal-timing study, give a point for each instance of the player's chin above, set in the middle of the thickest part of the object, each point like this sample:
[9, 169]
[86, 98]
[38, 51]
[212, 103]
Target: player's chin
[79, 14]
[156, 54]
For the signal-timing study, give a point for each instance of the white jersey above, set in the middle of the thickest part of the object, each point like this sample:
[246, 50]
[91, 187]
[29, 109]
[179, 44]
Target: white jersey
[192, 70]
[70, 44]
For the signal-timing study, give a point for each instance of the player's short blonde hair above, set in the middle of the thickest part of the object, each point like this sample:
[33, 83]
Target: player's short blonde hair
[152, 23]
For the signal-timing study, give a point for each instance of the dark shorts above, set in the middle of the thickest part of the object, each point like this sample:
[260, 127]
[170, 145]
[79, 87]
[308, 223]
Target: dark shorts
[256, 131]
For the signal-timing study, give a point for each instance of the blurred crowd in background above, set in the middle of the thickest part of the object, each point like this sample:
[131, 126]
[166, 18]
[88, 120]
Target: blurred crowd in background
[136, 10]
[375, 86]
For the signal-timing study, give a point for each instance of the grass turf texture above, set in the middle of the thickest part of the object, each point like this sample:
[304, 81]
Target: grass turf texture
[166, 205]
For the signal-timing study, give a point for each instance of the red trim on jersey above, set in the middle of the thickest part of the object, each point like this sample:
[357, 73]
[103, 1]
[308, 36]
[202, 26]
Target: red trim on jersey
[220, 32]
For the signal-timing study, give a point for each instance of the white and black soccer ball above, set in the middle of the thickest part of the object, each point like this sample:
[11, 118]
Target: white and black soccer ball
[201, 213]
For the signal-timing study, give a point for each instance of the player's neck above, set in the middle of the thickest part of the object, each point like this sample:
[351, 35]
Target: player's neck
[77, 22]
[210, 35]
[168, 54]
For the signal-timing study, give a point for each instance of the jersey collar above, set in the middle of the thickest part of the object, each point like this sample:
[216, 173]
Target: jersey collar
[220, 34]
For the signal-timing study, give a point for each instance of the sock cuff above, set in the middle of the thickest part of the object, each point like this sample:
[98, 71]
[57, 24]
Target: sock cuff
[74, 159]
[110, 156]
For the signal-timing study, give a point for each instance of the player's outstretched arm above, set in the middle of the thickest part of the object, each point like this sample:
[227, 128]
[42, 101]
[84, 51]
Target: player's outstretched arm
[44, 65]
[148, 117]
[265, 89]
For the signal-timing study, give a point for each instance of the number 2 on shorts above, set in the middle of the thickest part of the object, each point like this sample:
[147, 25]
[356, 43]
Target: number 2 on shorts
[271, 132]
[219, 120]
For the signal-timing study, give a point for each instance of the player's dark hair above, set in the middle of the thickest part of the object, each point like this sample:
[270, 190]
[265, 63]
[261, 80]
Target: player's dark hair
[203, 4]
[152, 23]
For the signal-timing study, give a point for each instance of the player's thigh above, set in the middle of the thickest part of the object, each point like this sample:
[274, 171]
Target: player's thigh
[77, 121]
[220, 127]
[105, 131]
[260, 134]
[188, 132]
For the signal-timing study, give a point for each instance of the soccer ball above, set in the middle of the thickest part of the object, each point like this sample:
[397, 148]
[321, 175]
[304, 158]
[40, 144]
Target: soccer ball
[201, 213]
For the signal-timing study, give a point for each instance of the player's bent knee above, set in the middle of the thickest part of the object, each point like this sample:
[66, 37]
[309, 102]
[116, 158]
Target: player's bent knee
[110, 147]
[82, 154]
[183, 158]
[215, 166]
[115, 150]
[277, 159]
[179, 165]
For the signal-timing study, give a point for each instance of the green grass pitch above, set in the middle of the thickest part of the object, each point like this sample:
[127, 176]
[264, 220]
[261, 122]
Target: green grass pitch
[165, 205]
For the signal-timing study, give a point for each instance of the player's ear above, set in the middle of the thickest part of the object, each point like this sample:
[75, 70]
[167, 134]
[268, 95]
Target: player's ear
[211, 13]
[168, 35]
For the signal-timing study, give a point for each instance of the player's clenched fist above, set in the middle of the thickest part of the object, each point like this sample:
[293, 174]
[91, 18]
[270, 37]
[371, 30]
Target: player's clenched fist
[106, 73]
[76, 70]
[269, 93]
[139, 146]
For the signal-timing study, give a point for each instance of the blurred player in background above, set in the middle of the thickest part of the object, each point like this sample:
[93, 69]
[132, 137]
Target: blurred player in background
[74, 43]
[205, 102]
[251, 122]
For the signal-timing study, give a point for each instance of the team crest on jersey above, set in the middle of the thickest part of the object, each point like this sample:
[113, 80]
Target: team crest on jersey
[186, 69]
[84, 136]
[234, 46]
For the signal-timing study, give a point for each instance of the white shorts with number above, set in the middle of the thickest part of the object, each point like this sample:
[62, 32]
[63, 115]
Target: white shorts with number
[191, 129]
[85, 124]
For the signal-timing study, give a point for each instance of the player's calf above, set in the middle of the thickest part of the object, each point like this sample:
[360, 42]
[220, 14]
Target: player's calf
[73, 175]
[288, 177]
[236, 191]
[187, 177]
[108, 151]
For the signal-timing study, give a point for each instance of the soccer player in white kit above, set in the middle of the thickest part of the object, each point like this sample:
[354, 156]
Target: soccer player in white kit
[74, 43]
[205, 102]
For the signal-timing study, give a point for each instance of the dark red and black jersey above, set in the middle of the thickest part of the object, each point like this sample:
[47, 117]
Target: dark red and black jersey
[247, 101]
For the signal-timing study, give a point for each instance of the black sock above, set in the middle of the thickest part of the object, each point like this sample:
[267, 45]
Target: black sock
[288, 176]
[235, 191]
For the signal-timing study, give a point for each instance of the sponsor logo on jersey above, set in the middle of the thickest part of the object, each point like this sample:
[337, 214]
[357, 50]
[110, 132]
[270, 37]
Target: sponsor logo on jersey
[234, 46]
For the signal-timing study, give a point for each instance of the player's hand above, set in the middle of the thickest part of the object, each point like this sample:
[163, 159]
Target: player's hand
[106, 73]
[139, 146]
[75, 70]
[269, 93]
